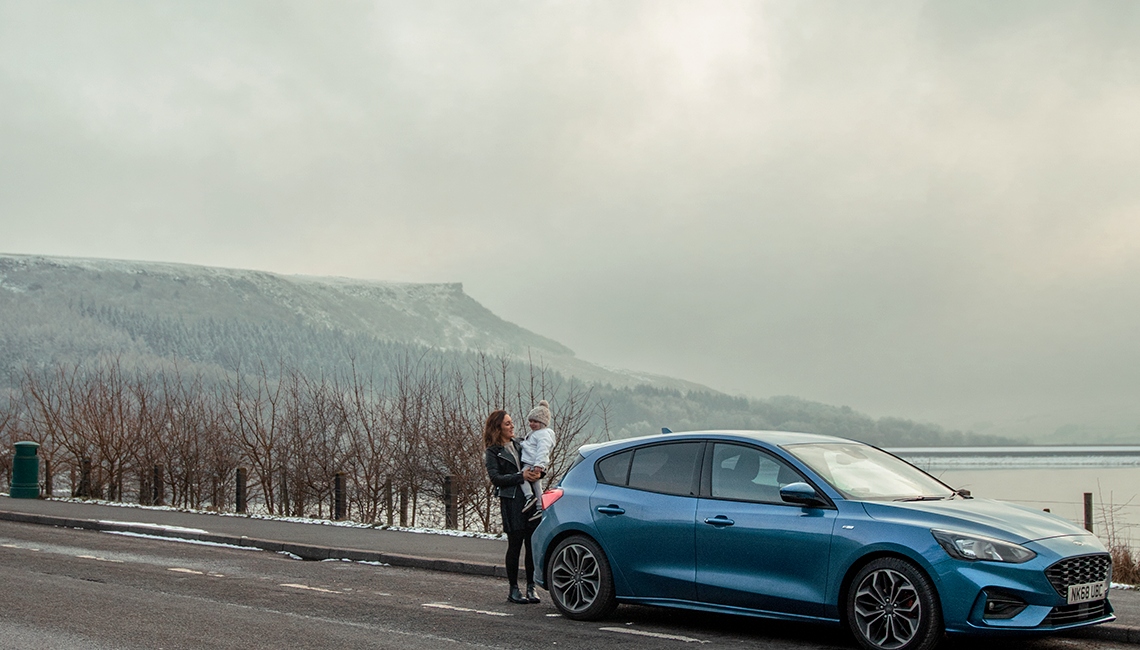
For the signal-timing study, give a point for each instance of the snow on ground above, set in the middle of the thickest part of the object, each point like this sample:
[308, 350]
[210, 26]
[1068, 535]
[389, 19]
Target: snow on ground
[295, 520]
[180, 540]
[141, 524]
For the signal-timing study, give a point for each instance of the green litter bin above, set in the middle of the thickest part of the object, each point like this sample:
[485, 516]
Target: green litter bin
[26, 471]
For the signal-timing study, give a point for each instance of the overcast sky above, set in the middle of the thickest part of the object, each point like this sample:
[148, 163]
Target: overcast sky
[921, 209]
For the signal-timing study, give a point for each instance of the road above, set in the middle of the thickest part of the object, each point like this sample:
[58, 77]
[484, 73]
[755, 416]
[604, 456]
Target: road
[64, 588]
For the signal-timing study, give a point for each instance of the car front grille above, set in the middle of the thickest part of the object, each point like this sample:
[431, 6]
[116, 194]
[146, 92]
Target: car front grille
[1078, 571]
[1069, 614]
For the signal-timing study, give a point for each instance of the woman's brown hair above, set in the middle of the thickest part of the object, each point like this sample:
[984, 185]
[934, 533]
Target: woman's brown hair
[493, 429]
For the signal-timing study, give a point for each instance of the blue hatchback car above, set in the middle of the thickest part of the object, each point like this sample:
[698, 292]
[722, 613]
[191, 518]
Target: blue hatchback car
[811, 528]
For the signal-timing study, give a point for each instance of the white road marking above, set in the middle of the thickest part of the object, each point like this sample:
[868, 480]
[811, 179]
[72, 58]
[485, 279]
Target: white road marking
[655, 635]
[308, 588]
[101, 559]
[553, 615]
[464, 609]
[181, 570]
[20, 547]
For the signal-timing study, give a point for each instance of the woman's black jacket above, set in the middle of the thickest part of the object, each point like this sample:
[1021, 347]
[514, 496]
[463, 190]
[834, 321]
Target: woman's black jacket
[505, 473]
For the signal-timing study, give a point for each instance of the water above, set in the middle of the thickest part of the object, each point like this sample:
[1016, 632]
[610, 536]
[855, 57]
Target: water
[1049, 477]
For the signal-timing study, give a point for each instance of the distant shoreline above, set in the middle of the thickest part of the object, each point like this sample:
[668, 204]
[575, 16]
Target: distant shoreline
[1021, 457]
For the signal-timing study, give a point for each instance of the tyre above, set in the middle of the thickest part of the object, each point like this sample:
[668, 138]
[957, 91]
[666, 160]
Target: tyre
[581, 584]
[892, 605]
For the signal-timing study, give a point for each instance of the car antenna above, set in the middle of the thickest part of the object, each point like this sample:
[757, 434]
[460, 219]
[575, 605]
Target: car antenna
[666, 430]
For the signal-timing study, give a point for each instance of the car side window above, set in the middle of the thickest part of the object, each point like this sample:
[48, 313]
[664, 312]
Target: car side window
[669, 469]
[614, 469]
[747, 474]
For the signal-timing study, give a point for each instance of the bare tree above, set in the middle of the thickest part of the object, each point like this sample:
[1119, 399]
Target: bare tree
[397, 440]
[410, 415]
[315, 439]
[254, 415]
[47, 399]
[365, 423]
[9, 425]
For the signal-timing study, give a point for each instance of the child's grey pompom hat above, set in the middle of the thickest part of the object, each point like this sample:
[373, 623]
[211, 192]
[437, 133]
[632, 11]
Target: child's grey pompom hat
[540, 413]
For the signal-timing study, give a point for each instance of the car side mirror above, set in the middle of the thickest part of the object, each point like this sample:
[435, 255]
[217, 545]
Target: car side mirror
[801, 493]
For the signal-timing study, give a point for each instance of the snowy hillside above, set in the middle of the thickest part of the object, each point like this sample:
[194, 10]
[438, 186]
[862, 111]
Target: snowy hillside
[57, 313]
[67, 309]
[436, 315]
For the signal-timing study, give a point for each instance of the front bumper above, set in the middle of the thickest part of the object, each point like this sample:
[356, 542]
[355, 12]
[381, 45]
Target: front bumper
[1040, 604]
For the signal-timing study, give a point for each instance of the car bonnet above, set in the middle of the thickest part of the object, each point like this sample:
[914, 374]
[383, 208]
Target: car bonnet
[1006, 521]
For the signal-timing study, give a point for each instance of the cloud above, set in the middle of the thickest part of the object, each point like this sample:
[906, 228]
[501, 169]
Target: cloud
[924, 209]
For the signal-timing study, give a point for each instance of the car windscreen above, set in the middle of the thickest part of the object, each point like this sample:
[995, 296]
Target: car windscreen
[862, 472]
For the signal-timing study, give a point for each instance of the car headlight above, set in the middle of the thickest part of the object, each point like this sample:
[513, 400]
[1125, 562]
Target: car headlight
[975, 547]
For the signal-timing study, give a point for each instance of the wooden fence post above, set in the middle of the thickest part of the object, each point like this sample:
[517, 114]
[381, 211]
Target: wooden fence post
[450, 518]
[84, 479]
[240, 497]
[145, 491]
[159, 486]
[403, 505]
[340, 502]
[388, 500]
[1088, 512]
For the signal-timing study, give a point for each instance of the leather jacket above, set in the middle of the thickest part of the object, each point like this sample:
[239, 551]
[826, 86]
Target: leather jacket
[504, 472]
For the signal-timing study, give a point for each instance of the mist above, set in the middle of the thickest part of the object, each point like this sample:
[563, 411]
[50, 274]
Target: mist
[927, 210]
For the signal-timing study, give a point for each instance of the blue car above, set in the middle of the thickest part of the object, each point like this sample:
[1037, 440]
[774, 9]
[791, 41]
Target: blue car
[808, 527]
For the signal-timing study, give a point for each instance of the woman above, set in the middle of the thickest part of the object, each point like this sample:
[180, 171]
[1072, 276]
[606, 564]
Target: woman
[505, 470]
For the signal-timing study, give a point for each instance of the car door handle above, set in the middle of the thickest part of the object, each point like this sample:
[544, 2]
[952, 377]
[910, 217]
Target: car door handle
[720, 521]
[612, 509]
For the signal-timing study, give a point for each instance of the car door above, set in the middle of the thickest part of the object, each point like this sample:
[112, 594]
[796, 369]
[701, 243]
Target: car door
[754, 550]
[643, 508]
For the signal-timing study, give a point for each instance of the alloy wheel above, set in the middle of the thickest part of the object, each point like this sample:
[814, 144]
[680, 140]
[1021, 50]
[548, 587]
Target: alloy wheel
[888, 611]
[575, 578]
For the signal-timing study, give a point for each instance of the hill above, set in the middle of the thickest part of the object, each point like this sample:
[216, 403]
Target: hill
[70, 312]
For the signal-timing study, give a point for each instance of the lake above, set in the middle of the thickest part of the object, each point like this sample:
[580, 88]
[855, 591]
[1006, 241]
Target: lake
[1048, 477]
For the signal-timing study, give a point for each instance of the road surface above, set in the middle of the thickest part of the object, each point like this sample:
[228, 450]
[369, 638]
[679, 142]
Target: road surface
[65, 588]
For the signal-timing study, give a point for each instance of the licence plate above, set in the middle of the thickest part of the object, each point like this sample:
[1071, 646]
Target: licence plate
[1087, 592]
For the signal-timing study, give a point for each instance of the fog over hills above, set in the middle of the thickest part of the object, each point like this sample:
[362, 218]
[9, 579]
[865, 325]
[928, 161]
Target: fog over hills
[56, 310]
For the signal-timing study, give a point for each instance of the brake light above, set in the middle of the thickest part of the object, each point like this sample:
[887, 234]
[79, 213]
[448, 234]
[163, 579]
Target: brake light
[550, 496]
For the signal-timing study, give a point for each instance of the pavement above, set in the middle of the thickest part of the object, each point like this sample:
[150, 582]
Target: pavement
[443, 551]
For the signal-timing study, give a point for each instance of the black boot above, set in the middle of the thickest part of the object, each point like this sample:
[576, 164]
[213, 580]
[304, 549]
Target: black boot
[516, 596]
[531, 596]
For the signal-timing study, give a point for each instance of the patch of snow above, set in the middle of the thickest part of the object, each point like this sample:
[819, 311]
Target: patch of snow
[295, 520]
[180, 540]
[141, 524]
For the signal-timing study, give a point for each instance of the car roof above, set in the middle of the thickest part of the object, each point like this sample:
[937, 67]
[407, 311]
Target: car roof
[776, 438]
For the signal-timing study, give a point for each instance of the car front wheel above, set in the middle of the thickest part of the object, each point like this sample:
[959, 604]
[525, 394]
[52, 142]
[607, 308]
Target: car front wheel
[891, 605]
[581, 584]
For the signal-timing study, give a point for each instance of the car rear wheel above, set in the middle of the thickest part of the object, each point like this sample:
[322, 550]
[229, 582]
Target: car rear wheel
[891, 605]
[581, 584]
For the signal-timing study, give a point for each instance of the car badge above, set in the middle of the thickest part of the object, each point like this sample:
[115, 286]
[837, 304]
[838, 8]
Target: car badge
[1078, 542]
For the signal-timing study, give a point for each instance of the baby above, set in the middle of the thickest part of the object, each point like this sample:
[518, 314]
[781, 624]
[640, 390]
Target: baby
[536, 447]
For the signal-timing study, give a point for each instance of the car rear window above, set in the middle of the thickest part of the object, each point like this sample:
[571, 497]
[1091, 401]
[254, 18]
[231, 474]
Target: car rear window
[614, 469]
[665, 468]
[669, 469]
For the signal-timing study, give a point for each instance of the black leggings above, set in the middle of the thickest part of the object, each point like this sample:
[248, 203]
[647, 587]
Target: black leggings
[515, 542]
